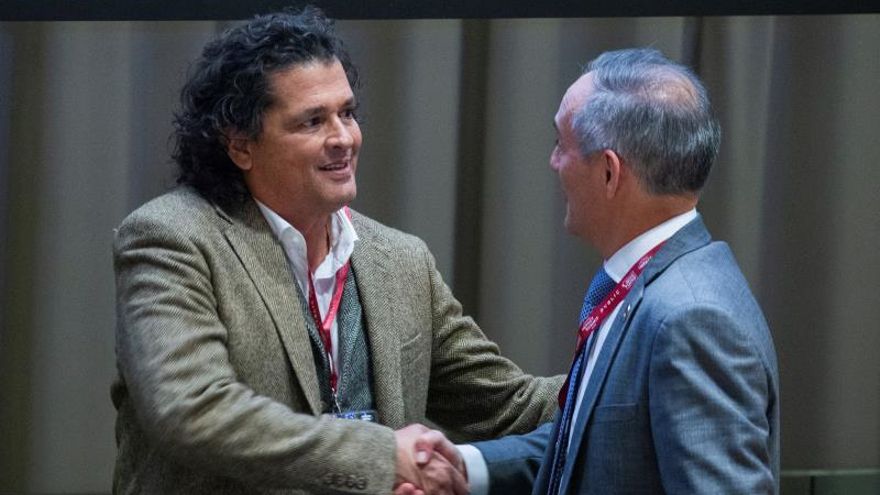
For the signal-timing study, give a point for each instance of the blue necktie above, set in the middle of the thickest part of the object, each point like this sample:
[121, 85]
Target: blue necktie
[600, 286]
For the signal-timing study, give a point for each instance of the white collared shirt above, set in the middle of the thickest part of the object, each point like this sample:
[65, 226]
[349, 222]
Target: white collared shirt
[616, 266]
[342, 239]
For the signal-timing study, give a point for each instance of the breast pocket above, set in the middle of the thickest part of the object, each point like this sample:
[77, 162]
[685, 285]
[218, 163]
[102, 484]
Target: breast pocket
[415, 370]
[615, 413]
[413, 350]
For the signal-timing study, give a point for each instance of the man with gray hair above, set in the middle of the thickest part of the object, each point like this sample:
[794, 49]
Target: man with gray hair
[674, 384]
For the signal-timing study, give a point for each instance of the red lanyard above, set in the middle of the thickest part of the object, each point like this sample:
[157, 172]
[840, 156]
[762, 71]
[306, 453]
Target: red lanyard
[606, 307]
[620, 291]
[325, 324]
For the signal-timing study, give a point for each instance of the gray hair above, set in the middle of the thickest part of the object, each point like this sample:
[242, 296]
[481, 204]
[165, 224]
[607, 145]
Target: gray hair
[655, 114]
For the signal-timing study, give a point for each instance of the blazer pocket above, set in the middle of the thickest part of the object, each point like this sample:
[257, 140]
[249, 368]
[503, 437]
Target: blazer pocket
[412, 345]
[615, 413]
[415, 375]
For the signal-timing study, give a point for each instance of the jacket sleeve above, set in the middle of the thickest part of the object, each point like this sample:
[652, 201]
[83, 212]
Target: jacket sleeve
[173, 358]
[513, 461]
[475, 393]
[709, 401]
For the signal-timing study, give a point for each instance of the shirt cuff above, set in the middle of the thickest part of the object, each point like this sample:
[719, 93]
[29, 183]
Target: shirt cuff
[477, 470]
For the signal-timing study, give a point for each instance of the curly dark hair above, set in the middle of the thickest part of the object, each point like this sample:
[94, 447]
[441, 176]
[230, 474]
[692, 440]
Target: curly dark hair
[228, 90]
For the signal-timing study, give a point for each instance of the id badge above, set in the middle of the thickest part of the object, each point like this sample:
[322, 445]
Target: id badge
[363, 415]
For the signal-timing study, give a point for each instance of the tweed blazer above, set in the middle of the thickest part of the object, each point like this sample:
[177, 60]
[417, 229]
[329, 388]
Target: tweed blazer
[217, 389]
[684, 395]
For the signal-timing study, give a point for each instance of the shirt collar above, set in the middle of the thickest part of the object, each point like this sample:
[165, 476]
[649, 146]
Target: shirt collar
[342, 239]
[621, 261]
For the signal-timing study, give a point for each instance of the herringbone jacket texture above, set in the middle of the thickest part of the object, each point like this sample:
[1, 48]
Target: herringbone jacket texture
[217, 389]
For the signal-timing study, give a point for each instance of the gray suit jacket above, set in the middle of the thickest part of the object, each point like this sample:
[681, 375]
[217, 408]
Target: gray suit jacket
[217, 389]
[684, 394]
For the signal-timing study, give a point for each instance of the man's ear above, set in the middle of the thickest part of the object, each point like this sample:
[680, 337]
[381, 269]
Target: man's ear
[613, 169]
[238, 147]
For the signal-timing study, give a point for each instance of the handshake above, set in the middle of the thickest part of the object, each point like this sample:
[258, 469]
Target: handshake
[428, 463]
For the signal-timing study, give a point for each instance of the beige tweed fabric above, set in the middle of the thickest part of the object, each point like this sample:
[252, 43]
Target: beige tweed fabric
[217, 389]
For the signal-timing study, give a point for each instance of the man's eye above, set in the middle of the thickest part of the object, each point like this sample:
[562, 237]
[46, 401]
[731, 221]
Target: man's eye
[349, 114]
[312, 122]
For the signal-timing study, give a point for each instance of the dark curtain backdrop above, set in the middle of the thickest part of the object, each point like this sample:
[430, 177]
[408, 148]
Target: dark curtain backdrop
[457, 137]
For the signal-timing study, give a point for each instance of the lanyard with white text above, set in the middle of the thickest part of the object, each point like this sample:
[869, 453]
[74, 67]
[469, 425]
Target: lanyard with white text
[606, 307]
[326, 324]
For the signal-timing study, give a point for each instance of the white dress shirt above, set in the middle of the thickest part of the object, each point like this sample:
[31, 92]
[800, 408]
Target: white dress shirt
[342, 239]
[616, 266]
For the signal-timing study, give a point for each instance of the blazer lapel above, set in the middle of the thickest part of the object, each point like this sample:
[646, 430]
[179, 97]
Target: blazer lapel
[264, 260]
[371, 267]
[690, 237]
[598, 376]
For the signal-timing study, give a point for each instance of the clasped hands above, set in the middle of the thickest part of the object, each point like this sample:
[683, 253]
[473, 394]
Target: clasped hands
[428, 463]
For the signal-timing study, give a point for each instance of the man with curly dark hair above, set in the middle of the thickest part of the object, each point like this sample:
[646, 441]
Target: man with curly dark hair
[269, 338]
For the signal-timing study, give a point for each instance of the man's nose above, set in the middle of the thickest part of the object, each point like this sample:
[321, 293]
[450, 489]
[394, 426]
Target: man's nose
[340, 135]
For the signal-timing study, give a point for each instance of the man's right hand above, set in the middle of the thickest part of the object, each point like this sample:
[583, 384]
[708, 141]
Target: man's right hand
[428, 463]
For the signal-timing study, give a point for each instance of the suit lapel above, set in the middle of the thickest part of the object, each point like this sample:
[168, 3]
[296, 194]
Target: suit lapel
[690, 237]
[370, 263]
[599, 374]
[264, 260]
